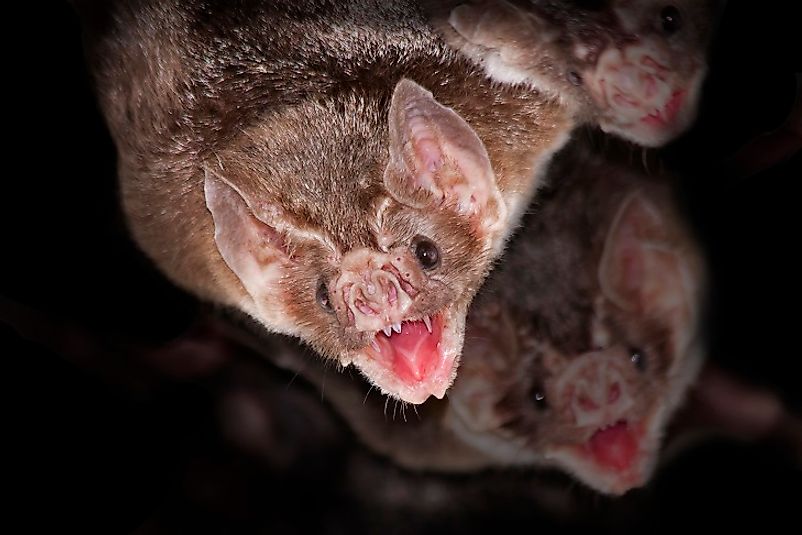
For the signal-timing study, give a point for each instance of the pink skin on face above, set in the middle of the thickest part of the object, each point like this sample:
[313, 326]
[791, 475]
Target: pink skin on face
[664, 117]
[410, 354]
[641, 95]
[596, 395]
[616, 457]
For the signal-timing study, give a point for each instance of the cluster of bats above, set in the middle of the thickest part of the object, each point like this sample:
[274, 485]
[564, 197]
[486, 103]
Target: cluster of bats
[401, 187]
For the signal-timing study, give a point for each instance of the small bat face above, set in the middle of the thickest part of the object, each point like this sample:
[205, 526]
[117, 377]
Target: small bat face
[633, 67]
[648, 88]
[589, 384]
[371, 257]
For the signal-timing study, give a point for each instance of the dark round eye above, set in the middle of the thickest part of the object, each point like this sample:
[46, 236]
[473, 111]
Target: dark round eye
[539, 398]
[638, 359]
[670, 19]
[574, 77]
[426, 252]
[322, 297]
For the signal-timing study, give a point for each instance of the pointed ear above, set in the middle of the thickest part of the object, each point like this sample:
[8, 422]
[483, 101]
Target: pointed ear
[437, 160]
[505, 29]
[488, 362]
[641, 268]
[254, 249]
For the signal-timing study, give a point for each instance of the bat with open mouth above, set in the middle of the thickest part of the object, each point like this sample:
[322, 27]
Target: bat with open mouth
[589, 335]
[633, 67]
[333, 169]
[578, 349]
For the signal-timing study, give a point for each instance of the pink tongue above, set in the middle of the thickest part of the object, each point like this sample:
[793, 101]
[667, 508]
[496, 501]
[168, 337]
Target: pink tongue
[614, 447]
[414, 350]
[669, 112]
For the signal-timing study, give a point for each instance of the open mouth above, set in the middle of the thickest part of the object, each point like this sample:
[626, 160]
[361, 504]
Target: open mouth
[665, 116]
[410, 349]
[614, 447]
[414, 359]
[614, 457]
[613, 460]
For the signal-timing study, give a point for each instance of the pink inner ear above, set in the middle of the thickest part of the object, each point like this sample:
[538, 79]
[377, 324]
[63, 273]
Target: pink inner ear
[437, 159]
[252, 249]
[628, 269]
[629, 275]
[642, 270]
[427, 150]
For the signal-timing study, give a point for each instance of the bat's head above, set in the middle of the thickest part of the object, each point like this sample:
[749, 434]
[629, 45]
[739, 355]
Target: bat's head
[365, 229]
[634, 67]
[646, 81]
[588, 388]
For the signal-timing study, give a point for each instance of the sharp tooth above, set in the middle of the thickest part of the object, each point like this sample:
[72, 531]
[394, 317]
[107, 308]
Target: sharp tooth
[428, 323]
[397, 327]
[375, 345]
[387, 331]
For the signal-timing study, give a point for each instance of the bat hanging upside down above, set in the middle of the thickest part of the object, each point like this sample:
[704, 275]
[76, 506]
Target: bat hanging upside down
[579, 348]
[633, 67]
[335, 170]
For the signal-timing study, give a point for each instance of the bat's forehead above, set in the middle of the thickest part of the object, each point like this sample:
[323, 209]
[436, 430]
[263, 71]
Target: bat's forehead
[320, 163]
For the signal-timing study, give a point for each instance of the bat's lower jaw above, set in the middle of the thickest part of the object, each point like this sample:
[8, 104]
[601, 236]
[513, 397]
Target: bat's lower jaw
[655, 123]
[417, 362]
[615, 459]
[649, 131]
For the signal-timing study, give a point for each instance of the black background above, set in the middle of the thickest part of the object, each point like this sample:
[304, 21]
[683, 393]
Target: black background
[106, 446]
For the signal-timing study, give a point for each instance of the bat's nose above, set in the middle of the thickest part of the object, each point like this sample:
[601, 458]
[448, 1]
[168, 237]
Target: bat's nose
[373, 294]
[598, 391]
[378, 301]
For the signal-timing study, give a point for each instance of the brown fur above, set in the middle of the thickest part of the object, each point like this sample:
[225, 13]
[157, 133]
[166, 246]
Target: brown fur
[288, 103]
[555, 307]
[554, 45]
[536, 315]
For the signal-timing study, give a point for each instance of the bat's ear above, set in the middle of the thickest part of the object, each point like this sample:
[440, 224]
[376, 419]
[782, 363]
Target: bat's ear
[488, 363]
[642, 269]
[252, 245]
[438, 161]
[501, 27]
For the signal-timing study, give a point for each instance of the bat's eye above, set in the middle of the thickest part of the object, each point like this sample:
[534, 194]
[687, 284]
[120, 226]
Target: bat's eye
[539, 399]
[574, 77]
[426, 252]
[670, 20]
[638, 359]
[322, 297]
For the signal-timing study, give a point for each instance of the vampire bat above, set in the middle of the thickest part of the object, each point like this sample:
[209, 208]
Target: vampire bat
[634, 67]
[599, 314]
[333, 169]
[578, 349]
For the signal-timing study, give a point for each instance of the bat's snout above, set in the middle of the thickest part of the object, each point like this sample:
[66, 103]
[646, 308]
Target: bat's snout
[644, 92]
[377, 296]
[595, 390]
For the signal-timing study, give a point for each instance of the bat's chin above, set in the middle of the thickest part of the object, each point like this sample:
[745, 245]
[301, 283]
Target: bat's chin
[417, 360]
[654, 125]
[615, 458]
